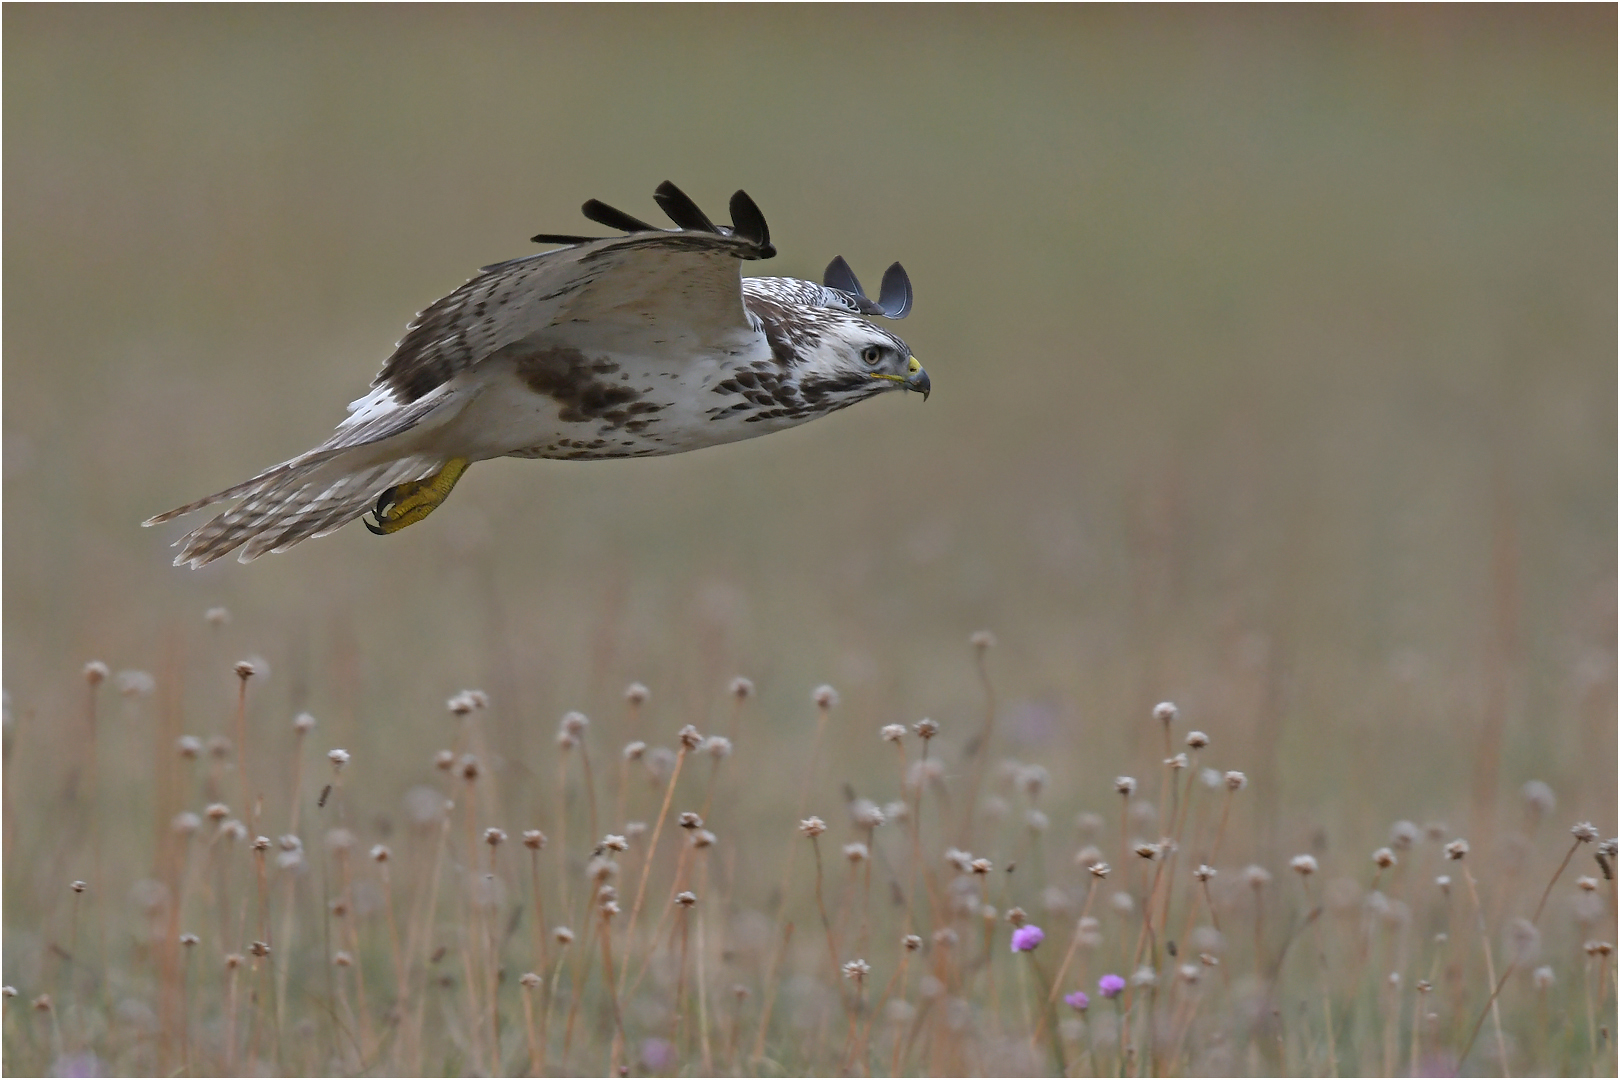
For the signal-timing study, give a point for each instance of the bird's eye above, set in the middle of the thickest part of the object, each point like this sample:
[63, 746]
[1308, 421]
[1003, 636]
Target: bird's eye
[872, 354]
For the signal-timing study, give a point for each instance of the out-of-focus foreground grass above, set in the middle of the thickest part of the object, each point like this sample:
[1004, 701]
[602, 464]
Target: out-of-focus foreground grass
[1273, 356]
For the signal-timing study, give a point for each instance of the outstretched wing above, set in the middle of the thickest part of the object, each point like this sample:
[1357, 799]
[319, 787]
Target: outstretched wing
[654, 285]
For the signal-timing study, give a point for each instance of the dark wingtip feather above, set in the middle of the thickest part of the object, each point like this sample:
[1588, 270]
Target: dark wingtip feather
[895, 295]
[682, 210]
[559, 238]
[747, 222]
[614, 218]
[839, 276]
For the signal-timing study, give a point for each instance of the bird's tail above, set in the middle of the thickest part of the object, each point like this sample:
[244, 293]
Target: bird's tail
[311, 495]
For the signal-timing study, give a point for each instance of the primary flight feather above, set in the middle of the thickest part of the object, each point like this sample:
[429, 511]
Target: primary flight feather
[607, 347]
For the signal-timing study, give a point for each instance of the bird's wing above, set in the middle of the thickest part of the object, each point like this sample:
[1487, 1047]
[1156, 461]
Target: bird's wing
[651, 287]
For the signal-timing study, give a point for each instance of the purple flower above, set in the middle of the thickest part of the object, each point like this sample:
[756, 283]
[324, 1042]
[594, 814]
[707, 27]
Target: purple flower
[657, 1055]
[1025, 938]
[1111, 985]
[1077, 1001]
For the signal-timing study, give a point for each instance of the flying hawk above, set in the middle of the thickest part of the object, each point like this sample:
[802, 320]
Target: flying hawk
[605, 347]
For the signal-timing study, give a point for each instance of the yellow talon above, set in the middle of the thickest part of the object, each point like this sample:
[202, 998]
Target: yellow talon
[410, 502]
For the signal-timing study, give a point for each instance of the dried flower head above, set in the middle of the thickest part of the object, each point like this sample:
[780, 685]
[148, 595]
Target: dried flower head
[190, 747]
[742, 689]
[1036, 821]
[494, 837]
[444, 760]
[260, 949]
[857, 970]
[1542, 978]
[1538, 797]
[1032, 779]
[961, 860]
[911, 942]
[1235, 781]
[945, 937]
[982, 639]
[534, 839]
[469, 768]
[566, 740]
[563, 935]
[685, 899]
[1384, 858]
[342, 958]
[1178, 762]
[633, 830]
[856, 852]
[825, 697]
[245, 670]
[1098, 870]
[866, 814]
[981, 866]
[261, 843]
[529, 980]
[1586, 884]
[78, 886]
[1125, 785]
[614, 842]
[185, 823]
[1436, 830]
[925, 728]
[1444, 882]
[635, 694]
[338, 758]
[1165, 712]
[689, 820]
[234, 960]
[379, 852]
[812, 827]
[893, 732]
[219, 747]
[217, 811]
[1456, 849]
[717, 747]
[461, 704]
[690, 738]
[1204, 872]
[42, 1003]
[1402, 835]
[1598, 948]
[95, 673]
[1585, 832]
[1017, 916]
[1303, 865]
[217, 616]
[1257, 876]
[634, 750]
[233, 830]
[188, 940]
[1197, 740]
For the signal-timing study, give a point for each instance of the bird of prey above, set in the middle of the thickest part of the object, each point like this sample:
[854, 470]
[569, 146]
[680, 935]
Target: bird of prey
[604, 347]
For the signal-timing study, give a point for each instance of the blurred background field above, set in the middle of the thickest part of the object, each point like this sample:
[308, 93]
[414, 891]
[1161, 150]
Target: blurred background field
[1274, 367]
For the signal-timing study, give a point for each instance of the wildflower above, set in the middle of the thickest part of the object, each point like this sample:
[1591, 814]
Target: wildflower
[982, 639]
[1236, 781]
[529, 980]
[1543, 978]
[1027, 937]
[1147, 851]
[1017, 916]
[892, 732]
[1303, 865]
[444, 760]
[742, 689]
[574, 723]
[635, 693]
[912, 942]
[1210, 778]
[925, 728]
[1165, 712]
[469, 768]
[494, 837]
[961, 860]
[534, 839]
[866, 814]
[217, 616]
[260, 949]
[342, 958]
[190, 747]
[1125, 785]
[634, 750]
[1037, 821]
[217, 811]
[338, 758]
[1197, 740]
[857, 969]
[1402, 835]
[690, 738]
[79, 886]
[1444, 881]
[825, 697]
[613, 842]
[856, 852]
[380, 853]
[1256, 876]
[566, 740]
[685, 899]
[945, 937]
[1078, 1001]
[1204, 872]
[1187, 973]
[1145, 976]
[981, 866]
[1178, 762]
[1585, 832]
[1586, 884]
[1538, 797]
[303, 723]
[188, 940]
[689, 820]
[563, 935]
[261, 843]
[1111, 986]
[717, 747]
[1456, 849]
[812, 827]
[1098, 869]
[1384, 858]
[1031, 779]
[1598, 948]
[185, 823]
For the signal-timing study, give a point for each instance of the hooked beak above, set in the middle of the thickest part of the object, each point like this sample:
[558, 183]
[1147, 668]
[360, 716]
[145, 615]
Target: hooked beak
[917, 378]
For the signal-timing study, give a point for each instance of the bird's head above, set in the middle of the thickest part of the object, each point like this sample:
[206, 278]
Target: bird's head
[855, 357]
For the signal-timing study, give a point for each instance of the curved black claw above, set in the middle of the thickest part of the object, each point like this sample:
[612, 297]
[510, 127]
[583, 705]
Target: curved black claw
[373, 528]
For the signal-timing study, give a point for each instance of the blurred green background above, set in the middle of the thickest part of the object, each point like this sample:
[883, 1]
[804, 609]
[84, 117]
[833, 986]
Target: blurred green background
[1273, 353]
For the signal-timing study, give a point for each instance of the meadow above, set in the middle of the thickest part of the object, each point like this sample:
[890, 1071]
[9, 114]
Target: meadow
[1239, 613]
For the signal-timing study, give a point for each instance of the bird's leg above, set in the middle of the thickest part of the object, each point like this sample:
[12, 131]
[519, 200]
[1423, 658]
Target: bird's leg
[410, 502]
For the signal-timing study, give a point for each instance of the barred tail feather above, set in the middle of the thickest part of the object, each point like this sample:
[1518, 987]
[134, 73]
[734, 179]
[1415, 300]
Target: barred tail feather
[295, 502]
